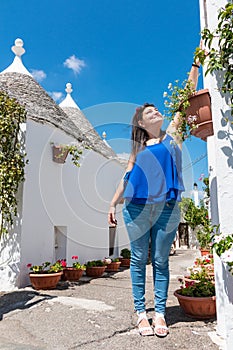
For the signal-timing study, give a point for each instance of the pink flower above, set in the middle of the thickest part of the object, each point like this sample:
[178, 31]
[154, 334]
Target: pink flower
[75, 257]
[63, 263]
[29, 265]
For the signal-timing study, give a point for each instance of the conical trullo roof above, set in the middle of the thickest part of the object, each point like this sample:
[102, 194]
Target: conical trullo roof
[18, 83]
[78, 118]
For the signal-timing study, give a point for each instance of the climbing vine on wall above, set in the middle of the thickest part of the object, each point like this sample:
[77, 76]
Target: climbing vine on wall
[12, 158]
[220, 56]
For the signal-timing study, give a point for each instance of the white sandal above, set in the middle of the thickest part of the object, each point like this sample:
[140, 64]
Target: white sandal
[144, 331]
[159, 326]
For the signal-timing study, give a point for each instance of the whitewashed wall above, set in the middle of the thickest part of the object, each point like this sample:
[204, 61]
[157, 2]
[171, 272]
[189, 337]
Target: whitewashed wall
[74, 200]
[221, 178]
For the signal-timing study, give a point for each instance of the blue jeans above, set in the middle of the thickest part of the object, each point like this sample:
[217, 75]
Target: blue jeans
[157, 223]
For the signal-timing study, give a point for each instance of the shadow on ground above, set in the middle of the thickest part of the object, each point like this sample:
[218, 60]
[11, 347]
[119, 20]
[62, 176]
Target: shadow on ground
[20, 300]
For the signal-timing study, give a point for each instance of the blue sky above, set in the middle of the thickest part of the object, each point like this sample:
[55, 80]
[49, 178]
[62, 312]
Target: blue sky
[117, 55]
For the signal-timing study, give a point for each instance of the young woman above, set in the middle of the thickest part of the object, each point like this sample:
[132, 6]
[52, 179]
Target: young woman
[151, 188]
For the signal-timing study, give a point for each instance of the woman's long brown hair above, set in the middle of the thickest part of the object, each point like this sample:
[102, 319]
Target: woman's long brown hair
[139, 136]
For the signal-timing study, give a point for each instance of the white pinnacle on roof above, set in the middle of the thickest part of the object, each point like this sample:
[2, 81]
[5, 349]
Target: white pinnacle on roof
[104, 135]
[17, 65]
[68, 101]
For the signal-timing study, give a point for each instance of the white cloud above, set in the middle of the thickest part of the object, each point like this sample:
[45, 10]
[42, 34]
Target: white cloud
[56, 96]
[75, 64]
[38, 75]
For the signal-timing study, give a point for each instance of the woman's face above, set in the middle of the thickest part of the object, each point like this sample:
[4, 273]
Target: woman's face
[151, 117]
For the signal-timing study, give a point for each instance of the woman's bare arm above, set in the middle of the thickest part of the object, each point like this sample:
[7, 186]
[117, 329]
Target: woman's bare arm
[117, 197]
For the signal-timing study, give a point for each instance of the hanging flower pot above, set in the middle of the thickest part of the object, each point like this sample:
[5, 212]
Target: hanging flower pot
[45, 280]
[59, 154]
[200, 107]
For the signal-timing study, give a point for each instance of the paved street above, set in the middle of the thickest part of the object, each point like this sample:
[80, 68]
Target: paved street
[97, 314]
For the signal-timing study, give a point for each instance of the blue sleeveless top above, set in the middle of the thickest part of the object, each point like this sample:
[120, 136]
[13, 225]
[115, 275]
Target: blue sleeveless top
[156, 175]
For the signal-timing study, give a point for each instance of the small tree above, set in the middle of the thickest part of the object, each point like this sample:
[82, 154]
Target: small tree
[197, 217]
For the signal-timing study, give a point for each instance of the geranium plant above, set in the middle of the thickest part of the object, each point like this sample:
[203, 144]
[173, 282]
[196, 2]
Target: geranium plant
[108, 261]
[204, 288]
[177, 100]
[46, 267]
[223, 246]
[76, 263]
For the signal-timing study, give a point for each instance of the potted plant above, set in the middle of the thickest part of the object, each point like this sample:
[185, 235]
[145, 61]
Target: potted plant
[112, 265]
[197, 274]
[125, 257]
[194, 109]
[46, 275]
[218, 51]
[60, 152]
[95, 268]
[74, 272]
[198, 300]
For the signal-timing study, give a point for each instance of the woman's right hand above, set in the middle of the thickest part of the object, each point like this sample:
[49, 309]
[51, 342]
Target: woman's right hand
[112, 216]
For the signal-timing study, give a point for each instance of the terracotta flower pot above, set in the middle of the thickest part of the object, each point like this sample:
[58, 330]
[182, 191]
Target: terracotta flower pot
[113, 266]
[200, 106]
[45, 280]
[199, 308]
[72, 274]
[95, 271]
[204, 252]
[125, 262]
[59, 154]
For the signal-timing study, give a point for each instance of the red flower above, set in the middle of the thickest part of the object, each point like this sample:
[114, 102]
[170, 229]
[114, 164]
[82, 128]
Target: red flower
[29, 265]
[63, 263]
[75, 257]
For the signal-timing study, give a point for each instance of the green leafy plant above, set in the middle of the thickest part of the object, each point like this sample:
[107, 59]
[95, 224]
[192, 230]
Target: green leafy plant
[12, 158]
[76, 264]
[94, 263]
[197, 217]
[223, 246]
[74, 149]
[46, 267]
[125, 253]
[177, 100]
[200, 274]
[192, 214]
[219, 44]
[202, 289]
